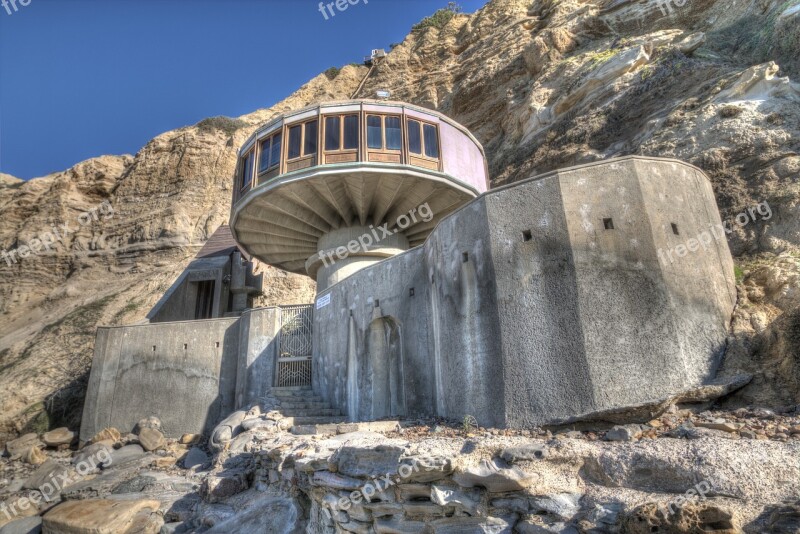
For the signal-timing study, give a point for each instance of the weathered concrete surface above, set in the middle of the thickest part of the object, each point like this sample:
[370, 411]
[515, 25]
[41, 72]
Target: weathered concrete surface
[543, 300]
[183, 373]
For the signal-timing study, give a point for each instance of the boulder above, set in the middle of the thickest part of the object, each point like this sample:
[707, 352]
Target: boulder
[368, 462]
[466, 500]
[107, 434]
[49, 479]
[276, 515]
[189, 439]
[96, 516]
[151, 422]
[689, 517]
[93, 455]
[27, 525]
[495, 477]
[226, 431]
[196, 457]
[525, 453]
[126, 454]
[218, 488]
[16, 448]
[782, 519]
[562, 505]
[151, 439]
[34, 456]
[58, 437]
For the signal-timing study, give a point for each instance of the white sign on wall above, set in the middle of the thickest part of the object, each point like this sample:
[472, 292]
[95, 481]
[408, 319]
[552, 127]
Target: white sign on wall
[323, 301]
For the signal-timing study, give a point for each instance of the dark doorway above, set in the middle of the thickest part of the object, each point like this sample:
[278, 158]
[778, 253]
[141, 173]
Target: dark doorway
[204, 308]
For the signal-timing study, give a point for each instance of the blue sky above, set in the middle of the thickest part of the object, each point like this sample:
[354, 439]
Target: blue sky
[82, 78]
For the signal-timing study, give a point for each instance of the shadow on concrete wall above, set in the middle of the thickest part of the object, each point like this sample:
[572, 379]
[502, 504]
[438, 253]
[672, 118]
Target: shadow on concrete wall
[385, 367]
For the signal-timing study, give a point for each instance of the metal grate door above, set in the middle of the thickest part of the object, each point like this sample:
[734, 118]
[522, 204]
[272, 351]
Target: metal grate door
[294, 352]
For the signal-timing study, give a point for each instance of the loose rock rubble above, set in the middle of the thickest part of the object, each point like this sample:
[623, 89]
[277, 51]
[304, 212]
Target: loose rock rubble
[680, 472]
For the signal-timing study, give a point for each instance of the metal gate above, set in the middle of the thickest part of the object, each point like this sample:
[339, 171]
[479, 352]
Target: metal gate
[294, 348]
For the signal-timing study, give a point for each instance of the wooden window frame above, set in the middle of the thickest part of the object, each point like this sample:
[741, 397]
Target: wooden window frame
[304, 160]
[271, 138]
[341, 154]
[425, 161]
[246, 185]
[384, 154]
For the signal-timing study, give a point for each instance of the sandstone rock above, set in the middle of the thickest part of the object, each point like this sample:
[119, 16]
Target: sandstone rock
[784, 519]
[464, 525]
[27, 525]
[495, 477]
[218, 488]
[368, 462]
[529, 527]
[94, 454]
[691, 43]
[623, 433]
[34, 456]
[128, 453]
[49, 479]
[525, 453]
[107, 434]
[151, 439]
[465, 500]
[151, 422]
[59, 436]
[688, 518]
[195, 458]
[104, 517]
[271, 514]
[426, 468]
[331, 480]
[226, 431]
[189, 439]
[562, 505]
[165, 462]
[718, 425]
[16, 448]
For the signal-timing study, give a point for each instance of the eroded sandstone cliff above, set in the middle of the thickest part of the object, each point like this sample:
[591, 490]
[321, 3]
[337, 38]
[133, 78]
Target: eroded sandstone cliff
[542, 84]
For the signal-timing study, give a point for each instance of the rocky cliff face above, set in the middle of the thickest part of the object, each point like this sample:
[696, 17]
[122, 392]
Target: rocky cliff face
[542, 84]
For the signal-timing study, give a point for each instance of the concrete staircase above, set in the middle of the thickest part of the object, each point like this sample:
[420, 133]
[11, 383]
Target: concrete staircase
[305, 407]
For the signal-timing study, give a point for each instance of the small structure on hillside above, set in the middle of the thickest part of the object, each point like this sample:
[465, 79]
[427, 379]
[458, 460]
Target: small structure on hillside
[542, 300]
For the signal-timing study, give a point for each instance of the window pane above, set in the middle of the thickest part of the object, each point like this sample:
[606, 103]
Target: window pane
[263, 158]
[311, 138]
[431, 141]
[247, 169]
[275, 158]
[294, 141]
[351, 131]
[374, 138]
[414, 137]
[394, 136]
[332, 133]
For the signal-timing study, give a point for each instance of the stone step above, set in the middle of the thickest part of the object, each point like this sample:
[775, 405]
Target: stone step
[292, 394]
[304, 405]
[345, 428]
[298, 421]
[289, 389]
[309, 413]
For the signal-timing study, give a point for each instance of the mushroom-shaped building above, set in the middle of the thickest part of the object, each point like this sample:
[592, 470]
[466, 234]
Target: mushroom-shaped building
[334, 188]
